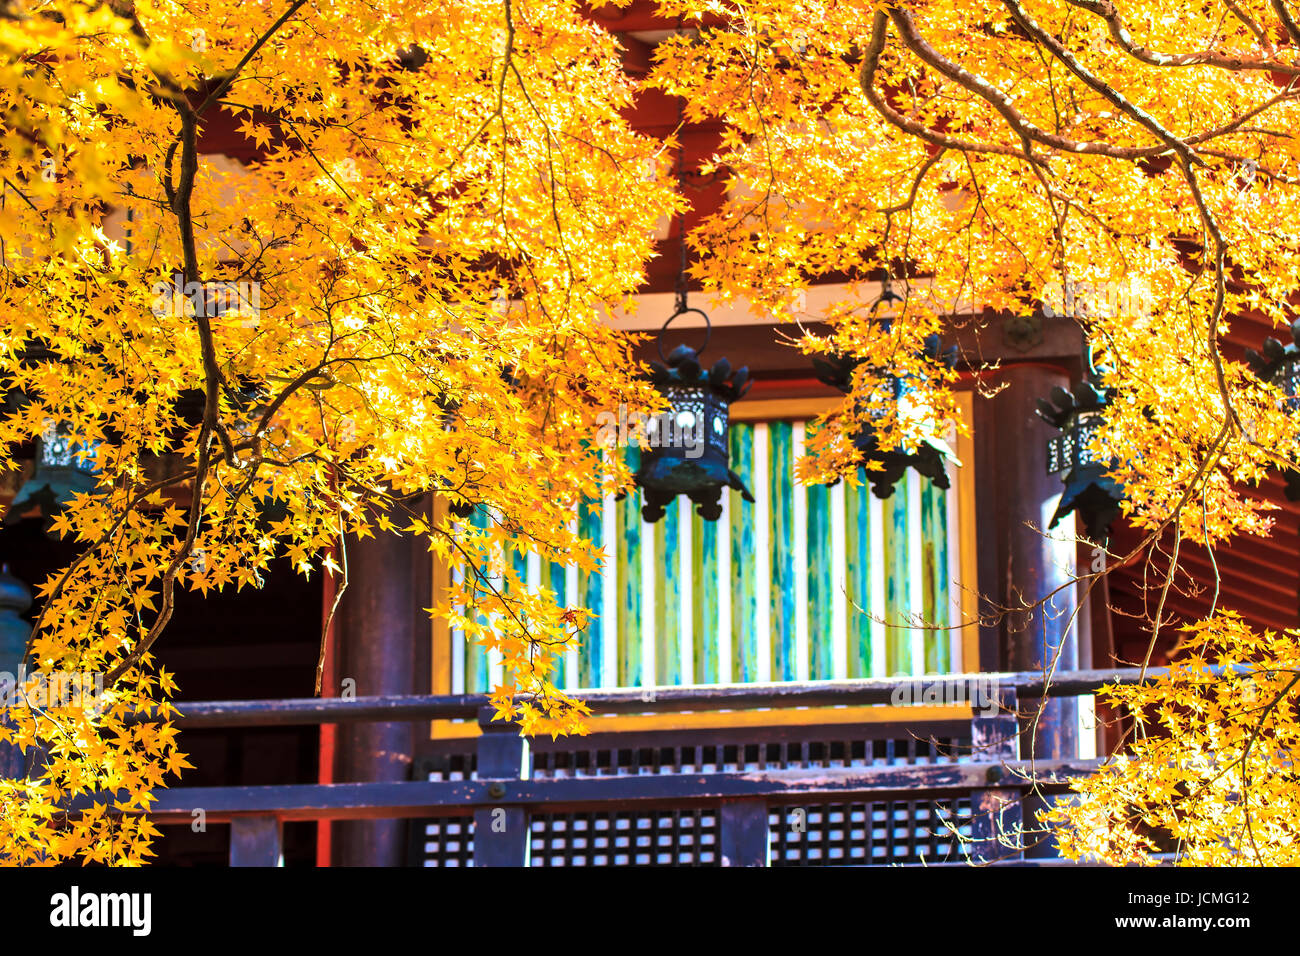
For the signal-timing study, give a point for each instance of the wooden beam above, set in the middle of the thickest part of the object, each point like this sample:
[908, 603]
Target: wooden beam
[378, 801]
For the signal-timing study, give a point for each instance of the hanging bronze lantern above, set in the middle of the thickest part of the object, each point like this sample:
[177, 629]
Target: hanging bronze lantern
[64, 469]
[1089, 491]
[930, 457]
[59, 470]
[686, 449]
[1280, 365]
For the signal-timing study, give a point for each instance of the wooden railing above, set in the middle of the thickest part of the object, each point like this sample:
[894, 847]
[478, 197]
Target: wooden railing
[501, 795]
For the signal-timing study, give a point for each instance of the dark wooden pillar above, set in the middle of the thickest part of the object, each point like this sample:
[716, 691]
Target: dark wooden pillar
[383, 633]
[1019, 566]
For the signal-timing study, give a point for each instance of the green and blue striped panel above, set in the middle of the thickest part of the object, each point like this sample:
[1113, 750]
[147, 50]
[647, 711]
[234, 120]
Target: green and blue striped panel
[807, 583]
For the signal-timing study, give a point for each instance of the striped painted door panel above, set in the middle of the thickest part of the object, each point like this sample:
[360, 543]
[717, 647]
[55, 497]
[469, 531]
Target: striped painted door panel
[807, 583]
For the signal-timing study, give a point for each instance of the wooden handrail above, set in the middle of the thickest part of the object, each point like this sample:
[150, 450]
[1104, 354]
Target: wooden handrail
[685, 698]
[503, 790]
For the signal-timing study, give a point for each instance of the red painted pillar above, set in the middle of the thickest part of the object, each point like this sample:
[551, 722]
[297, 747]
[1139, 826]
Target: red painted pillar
[329, 687]
[382, 637]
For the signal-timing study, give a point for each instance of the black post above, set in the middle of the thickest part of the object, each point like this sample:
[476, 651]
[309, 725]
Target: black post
[743, 833]
[256, 841]
[501, 836]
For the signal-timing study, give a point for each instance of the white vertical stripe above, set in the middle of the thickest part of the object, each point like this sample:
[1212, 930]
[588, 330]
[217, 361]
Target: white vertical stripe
[839, 584]
[723, 589]
[915, 573]
[762, 559]
[609, 594]
[496, 662]
[534, 583]
[1087, 727]
[458, 648]
[574, 600]
[496, 668]
[952, 510]
[686, 576]
[799, 490]
[648, 598]
[876, 526]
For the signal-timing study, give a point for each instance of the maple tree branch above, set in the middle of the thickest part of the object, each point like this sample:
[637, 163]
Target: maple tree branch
[1186, 160]
[1234, 125]
[1251, 23]
[866, 79]
[230, 77]
[921, 173]
[334, 606]
[214, 382]
[1288, 22]
[1259, 170]
[1027, 130]
[1131, 109]
[1001, 102]
[86, 553]
[22, 195]
[1106, 10]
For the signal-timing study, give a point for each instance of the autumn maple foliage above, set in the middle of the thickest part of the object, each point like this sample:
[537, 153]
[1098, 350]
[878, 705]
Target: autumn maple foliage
[448, 202]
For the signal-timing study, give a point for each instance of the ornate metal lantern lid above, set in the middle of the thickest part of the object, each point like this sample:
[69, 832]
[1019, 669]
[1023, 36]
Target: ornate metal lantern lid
[1089, 491]
[687, 450]
[931, 456]
[64, 469]
[1280, 365]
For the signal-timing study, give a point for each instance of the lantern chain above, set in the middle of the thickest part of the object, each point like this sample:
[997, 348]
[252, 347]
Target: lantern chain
[681, 188]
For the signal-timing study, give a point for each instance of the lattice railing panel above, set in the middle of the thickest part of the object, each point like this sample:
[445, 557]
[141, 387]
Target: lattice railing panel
[828, 834]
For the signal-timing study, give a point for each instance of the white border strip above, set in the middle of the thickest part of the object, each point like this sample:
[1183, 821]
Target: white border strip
[609, 593]
[649, 600]
[762, 557]
[723, 589]
[686, 576]
[459, 649]
[915, 572]
[839, 583]
[572, 600]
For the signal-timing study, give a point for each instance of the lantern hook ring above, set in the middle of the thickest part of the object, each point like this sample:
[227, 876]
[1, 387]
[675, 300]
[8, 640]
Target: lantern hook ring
[708, 331]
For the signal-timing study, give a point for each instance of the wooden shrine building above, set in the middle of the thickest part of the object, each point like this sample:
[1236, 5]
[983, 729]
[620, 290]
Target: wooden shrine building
[751, 705]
